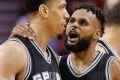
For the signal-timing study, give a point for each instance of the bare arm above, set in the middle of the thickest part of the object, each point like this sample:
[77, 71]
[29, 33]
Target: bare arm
[115, 70]
[11, 60]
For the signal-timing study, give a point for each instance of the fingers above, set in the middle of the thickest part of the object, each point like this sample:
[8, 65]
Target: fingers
[29, 32]
[29, 29]
[17, 30]
[23, 30]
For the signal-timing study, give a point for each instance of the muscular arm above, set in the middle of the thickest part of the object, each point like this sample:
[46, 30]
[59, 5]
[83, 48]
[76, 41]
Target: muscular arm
[12, 60]
[115, 70]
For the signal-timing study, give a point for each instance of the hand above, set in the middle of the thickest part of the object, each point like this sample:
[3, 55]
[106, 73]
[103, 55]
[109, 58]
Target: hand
[24, 31]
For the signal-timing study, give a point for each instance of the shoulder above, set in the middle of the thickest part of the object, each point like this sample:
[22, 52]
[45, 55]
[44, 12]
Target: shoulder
[115, 69]
[12, 56]
[12, 49]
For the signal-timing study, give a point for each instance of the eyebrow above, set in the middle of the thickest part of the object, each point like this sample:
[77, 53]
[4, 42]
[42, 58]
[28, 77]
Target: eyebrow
[79, 19]
[88, 20]
[72, 18]
[83, 19]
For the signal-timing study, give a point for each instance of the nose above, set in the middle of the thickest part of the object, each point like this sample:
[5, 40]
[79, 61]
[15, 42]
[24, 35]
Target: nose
[75, 25]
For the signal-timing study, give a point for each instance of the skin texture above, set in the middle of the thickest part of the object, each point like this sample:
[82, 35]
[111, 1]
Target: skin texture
[13, 56]
[85, 23]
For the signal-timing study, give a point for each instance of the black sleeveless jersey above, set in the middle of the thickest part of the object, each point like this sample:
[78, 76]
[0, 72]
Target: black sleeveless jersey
[38, 67]
[98, 70]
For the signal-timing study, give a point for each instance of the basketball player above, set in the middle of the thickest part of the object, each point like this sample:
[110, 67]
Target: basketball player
[24, 59]
[84, 28]
[87, 60]
[112, 31]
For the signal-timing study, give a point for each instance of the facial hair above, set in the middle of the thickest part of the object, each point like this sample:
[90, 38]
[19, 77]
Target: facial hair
[80, 46]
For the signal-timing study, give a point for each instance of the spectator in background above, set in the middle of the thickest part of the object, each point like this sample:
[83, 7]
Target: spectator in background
[74, 3]
[99, 3]
[112, 31]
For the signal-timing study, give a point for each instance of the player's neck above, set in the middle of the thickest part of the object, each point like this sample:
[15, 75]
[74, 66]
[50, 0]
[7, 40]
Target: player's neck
[85, 56]
[42, 37]
[83, 59]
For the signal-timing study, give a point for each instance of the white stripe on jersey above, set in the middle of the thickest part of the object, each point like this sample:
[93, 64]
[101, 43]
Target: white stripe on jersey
[113, 51]
[107, 70]
[48, 60]
[79, 74]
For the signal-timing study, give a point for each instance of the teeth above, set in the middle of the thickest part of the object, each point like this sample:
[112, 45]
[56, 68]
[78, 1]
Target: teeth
[72, 39]
[73, 36]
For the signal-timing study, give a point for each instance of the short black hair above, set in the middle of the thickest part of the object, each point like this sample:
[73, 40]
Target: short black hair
[76, 3]
[96, 10]
[31, 6]
[112, 14]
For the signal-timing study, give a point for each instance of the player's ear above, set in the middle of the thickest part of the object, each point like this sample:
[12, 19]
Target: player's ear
[97, 34]
[43, 10]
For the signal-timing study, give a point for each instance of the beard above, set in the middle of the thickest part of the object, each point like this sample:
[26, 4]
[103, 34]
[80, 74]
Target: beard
[80, 46]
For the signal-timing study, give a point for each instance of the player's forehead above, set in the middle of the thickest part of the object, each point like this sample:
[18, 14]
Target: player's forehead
[83, 14]
[58, 2]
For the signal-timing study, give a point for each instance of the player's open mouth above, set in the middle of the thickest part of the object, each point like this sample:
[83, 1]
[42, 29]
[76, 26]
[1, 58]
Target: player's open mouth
[73, 36]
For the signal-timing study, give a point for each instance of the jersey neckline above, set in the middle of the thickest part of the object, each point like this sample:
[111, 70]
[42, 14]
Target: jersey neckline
[77, 73]
[48, 59]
